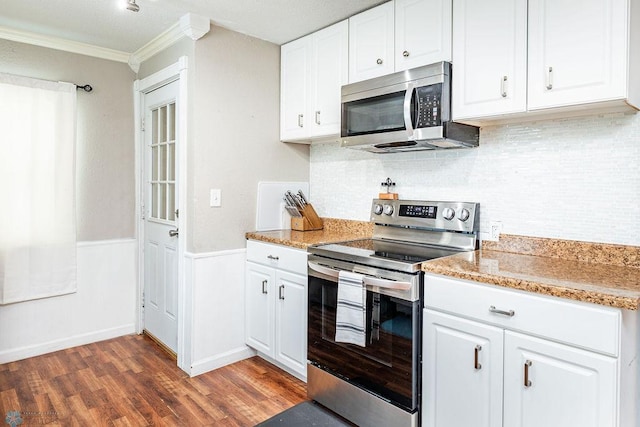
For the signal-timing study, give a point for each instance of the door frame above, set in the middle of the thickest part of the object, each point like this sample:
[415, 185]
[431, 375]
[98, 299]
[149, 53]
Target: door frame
[177, 71]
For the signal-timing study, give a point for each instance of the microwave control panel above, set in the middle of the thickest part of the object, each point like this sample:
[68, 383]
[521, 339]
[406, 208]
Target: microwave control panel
[428, 101]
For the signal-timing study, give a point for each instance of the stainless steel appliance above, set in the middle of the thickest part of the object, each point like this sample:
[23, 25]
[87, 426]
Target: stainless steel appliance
[405, 111]
[378, 384]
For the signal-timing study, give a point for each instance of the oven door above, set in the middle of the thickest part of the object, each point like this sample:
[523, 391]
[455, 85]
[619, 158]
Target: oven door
[389, 364]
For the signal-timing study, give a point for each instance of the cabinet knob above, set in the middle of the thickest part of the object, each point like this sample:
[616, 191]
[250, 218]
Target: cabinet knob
[317, 117]
[503, 87]
[405, 53]
[379, 61]
[273, 258]
[300, 120]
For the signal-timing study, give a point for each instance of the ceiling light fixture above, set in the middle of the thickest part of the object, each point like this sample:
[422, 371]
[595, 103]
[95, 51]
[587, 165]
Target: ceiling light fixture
[132, 6]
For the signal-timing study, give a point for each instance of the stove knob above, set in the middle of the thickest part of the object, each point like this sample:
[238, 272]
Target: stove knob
[377, 209]
[448, 214]
[463, 215]
[388, 210]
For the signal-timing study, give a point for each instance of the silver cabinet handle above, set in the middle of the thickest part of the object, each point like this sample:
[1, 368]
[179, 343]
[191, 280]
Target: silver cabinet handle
[273, 258]
[173, 233]
[476, 363]
[264, 286]
[301, 120]
[379, 61]
[509, 313]
[317, 117]
[281, 292]
[503, 86]
[405, 53]
[550, 78]
[527, 365]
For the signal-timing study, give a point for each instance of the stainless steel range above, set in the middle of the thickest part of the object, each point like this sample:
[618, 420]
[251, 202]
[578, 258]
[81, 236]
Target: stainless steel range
[365, 305]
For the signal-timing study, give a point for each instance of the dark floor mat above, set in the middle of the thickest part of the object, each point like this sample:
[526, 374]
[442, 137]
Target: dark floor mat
[306, 414]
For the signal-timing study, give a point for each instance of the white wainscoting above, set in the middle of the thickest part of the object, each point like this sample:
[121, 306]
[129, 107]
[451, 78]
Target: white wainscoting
[103, 307]
[215, 287]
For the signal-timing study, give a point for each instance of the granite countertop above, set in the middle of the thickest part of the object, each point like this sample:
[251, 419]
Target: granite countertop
[335, 230]
[603, 274]
[574, 270]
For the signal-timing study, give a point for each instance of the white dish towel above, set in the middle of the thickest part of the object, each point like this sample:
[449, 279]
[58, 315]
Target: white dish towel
[351, 309]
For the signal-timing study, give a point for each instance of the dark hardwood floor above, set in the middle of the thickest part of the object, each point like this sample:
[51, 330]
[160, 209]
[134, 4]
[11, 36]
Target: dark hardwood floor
[130, 381]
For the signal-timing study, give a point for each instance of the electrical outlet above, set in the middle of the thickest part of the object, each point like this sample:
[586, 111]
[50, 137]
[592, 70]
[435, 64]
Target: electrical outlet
[215, 197]
[495, 228]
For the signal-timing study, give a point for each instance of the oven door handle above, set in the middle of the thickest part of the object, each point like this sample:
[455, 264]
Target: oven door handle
[368, 280]
[385, 283]
[323, 270]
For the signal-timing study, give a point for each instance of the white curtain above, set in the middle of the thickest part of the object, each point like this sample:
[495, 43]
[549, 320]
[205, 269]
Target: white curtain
[37, 189]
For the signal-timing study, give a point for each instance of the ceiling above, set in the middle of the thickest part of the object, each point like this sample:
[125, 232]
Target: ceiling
[106, 24]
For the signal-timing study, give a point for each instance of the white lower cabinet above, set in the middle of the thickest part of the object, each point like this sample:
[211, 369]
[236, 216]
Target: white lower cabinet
[483, 366]
[276, 305]
[462, 368]
[555, 385]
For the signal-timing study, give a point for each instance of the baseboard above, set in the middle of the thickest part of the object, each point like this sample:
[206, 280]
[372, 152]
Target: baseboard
[220, 360]
[64, 343]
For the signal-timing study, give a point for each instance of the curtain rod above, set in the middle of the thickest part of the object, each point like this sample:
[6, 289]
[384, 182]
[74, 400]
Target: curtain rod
[86, 88]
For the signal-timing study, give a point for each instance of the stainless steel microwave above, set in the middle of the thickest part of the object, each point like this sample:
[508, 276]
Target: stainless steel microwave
[405, 111]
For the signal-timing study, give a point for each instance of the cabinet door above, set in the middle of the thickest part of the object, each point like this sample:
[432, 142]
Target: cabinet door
[291, 321]
[577, 51]
[554, 385]
[422, 32]
[294, 75]
[260, 285]
[371, 43]
[489, 57]
[330, 71]
[462, 372]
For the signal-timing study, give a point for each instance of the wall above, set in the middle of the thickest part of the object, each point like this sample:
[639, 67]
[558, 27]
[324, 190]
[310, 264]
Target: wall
[574, 178]
[104, 305]
[237, 137]
[105, 151]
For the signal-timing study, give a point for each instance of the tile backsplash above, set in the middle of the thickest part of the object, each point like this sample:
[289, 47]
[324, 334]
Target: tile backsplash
[575, 178]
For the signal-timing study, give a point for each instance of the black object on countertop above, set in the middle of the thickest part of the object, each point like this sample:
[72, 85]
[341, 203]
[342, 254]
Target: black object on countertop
[306, 414]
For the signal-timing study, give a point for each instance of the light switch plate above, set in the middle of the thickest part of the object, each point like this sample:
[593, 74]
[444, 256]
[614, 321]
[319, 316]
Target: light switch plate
[215, 198]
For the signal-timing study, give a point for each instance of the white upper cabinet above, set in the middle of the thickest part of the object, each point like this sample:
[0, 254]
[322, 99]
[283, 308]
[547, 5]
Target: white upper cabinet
[313, 69]
[422, 32]
[543, 56]
[330, 56]
[371, 44]
[399, 35]
[489, 57]
[577, 51]
[294, 80]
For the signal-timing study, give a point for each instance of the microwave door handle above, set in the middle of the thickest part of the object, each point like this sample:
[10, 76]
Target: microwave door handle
[384, 283]
[408, 124]
[323, 270]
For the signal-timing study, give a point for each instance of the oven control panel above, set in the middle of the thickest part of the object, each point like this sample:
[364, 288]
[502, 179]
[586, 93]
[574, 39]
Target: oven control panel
[452, 216]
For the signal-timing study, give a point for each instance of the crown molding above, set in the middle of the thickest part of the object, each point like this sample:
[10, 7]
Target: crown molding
[63, 44]
[190, 25]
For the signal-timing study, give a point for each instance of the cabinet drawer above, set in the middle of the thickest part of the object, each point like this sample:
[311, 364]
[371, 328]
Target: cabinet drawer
[277, 256]
[580, 324]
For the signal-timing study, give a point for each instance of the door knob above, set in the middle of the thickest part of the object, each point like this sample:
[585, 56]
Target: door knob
[173, 233]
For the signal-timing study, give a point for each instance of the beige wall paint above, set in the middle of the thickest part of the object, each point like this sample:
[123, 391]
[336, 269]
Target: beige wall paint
[237, 135]
[234, 116]
[105, 143]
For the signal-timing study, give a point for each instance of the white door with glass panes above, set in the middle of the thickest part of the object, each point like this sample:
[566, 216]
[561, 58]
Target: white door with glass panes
[160, 212]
